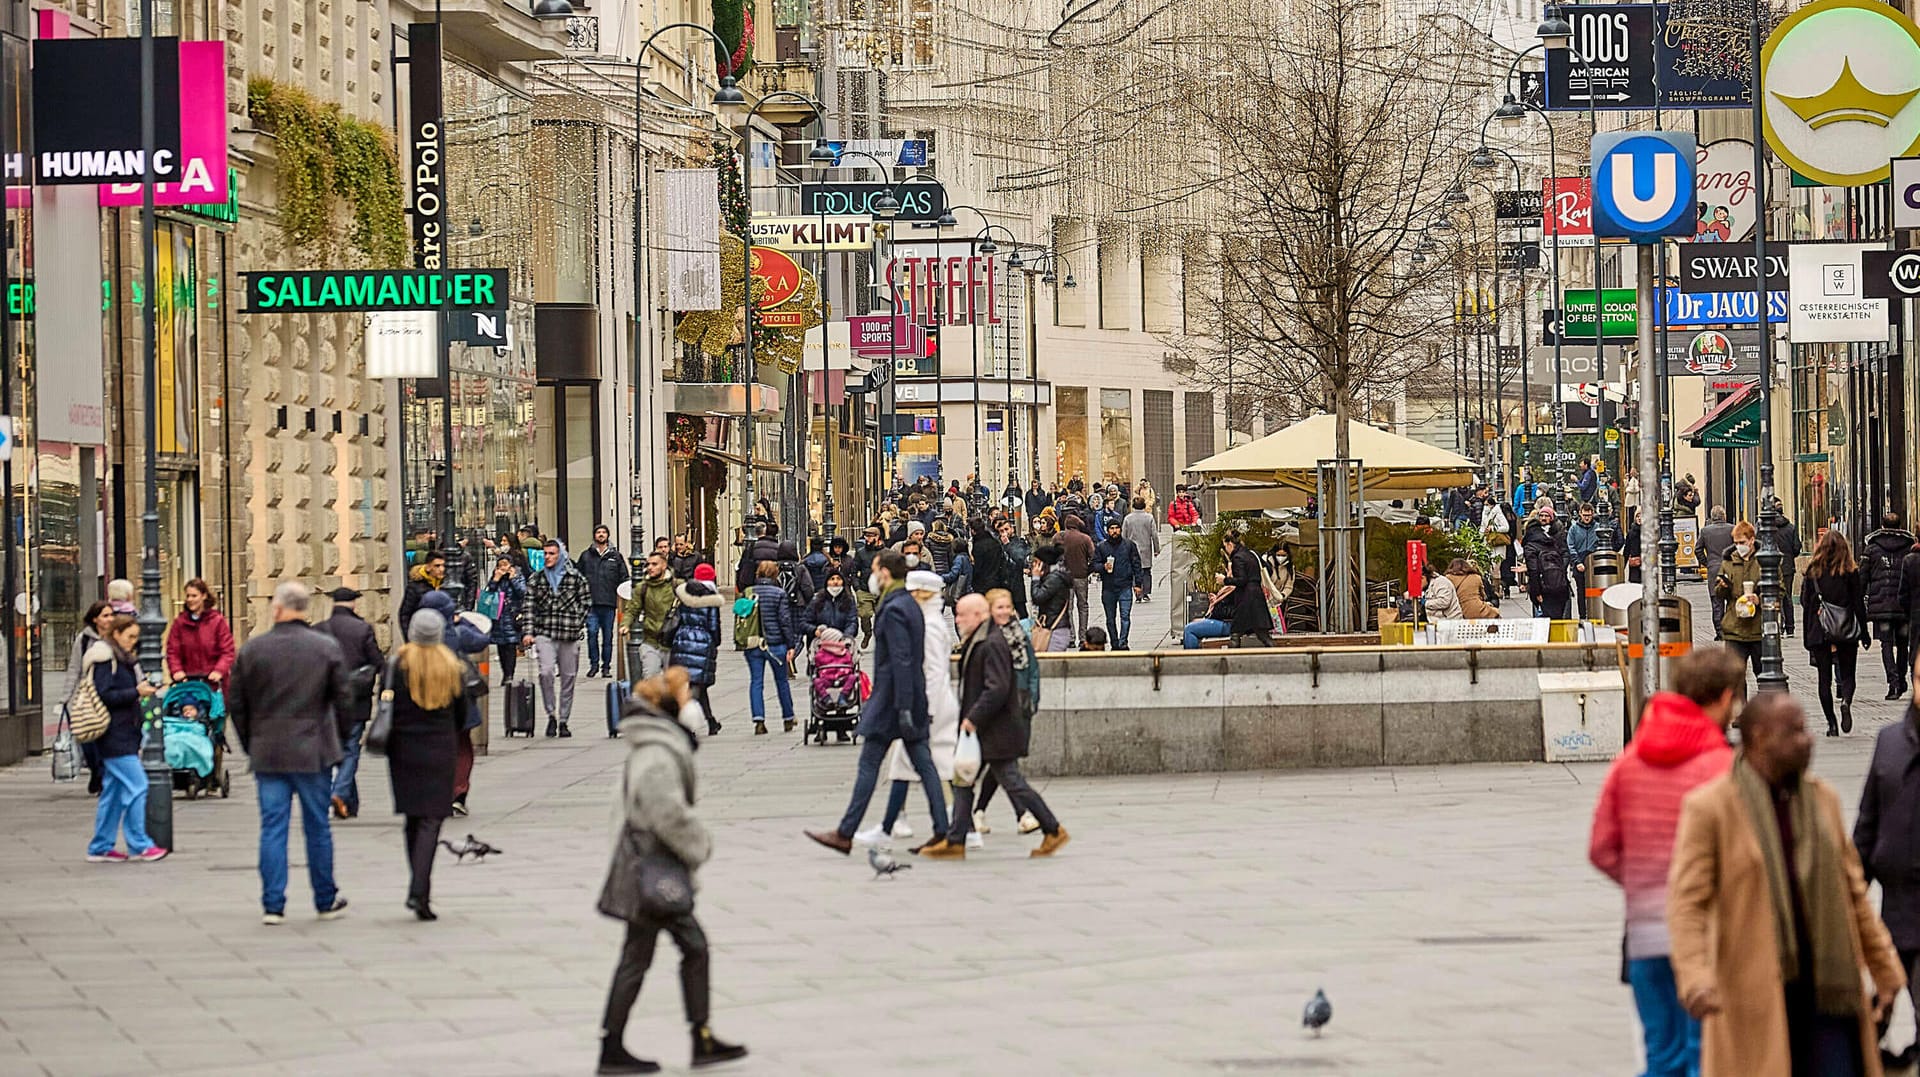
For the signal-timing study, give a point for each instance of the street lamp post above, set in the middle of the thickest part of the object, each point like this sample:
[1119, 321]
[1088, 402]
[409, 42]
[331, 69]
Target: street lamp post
[1046, 265]
[726, 99]
[1510, 114]
[1772, 677]
[983, 242]
[153, 621]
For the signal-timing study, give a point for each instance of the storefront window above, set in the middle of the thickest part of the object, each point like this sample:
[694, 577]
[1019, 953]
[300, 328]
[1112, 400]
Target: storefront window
[1818, 405]
[176, 287]
[1116, 436]
[1070, 432]
[564, 444]
[178, 494]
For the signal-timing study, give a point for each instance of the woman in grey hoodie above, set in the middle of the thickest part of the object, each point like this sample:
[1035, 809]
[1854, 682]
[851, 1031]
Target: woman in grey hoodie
[655, 796]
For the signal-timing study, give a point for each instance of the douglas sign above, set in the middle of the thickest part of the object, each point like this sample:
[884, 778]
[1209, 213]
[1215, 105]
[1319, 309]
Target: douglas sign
[918, 201]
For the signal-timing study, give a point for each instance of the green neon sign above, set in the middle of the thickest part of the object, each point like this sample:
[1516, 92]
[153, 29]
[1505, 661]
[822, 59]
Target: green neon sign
[1618, 322]
[332, 291]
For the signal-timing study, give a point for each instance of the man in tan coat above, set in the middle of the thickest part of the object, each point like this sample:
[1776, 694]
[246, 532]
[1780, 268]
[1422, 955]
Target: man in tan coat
[1767, 909]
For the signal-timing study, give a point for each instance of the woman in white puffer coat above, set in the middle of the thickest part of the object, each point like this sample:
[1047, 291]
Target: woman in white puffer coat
[943, 707]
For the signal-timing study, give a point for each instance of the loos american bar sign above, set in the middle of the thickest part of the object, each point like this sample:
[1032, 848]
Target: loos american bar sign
[332, 291]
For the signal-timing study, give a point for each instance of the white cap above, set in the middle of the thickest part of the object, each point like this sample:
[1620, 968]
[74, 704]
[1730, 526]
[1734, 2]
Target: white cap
[922, 580]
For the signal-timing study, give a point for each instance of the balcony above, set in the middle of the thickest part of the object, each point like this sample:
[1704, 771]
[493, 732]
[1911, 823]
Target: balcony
[583, 34]
[766, 78]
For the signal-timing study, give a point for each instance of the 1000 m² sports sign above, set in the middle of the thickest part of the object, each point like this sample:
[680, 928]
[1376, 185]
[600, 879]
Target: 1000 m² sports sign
[333, 291]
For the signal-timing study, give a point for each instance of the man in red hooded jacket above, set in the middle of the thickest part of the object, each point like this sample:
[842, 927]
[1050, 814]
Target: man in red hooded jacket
[1679, 745]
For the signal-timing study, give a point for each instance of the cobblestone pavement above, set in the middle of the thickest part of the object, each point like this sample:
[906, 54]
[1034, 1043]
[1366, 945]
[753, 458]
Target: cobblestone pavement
[1448, 912]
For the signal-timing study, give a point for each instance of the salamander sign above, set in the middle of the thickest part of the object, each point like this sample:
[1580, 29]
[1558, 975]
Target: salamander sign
[331, 291]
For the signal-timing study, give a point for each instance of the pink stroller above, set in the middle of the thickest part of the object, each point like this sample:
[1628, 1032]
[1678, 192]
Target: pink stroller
[838, 687]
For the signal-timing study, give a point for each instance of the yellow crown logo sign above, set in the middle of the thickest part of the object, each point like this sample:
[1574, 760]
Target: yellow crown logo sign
[1847, 100]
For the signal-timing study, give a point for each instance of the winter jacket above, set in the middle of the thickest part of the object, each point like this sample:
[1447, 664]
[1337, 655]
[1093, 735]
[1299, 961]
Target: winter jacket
[83, 642]
[1716, 538]
[558, 613]
[779, 627]
[1140, 528]
[817, 564]
[1881, 556]
[683, 564]
[1582, 539]
[939, 543]
[756, 551]
[1442, 601]
[1183, 512]
[990, 568]
[1050, 594]
[1888, 842]
[462, 637]
[1675, 749]
[423, 752]
[418, 584]
[646, 612]
[605, 572]
[118, 684]
[898, 705]
[696, 644]
[795, 580]
[1251, 615]
[1524, 496]
[1843, 589]
[1545, 548]
[840, 614]
[1589, 485]
[989, 697]
[513, 606]
[1735, 573]
[288, 700]
[200, 646]
[943, 707]
[1076, 547]
[1037, 499]
[655, 791]
[359, 650]
[1128, 568]
[1786, 539]
[1470, 588]
[1910, 586]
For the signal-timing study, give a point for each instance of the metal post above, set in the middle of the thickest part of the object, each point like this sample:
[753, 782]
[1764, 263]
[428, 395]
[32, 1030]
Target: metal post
[1604, 518]
[153, 622]
[642, 414]
[1772, 677]
[826, 379]
[1006, 413]
[1560, 304]
[746, 287]
[1649, 422]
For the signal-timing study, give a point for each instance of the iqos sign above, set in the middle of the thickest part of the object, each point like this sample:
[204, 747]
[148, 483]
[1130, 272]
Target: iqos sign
[1643, 185]
[918, 201]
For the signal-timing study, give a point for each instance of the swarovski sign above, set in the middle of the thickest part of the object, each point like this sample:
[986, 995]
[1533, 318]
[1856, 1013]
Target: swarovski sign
[1727, 267]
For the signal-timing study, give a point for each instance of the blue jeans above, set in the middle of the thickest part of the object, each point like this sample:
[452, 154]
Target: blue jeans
[1673, 1038]
[896, 803]
[123, 805]
[600, 638]
[1119, 603]
[344, 785]
[758, 659]
[276, 810]
[873, 752]
[1204, 628]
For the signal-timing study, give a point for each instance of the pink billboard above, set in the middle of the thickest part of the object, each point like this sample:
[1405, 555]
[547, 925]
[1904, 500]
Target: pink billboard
[203, 135]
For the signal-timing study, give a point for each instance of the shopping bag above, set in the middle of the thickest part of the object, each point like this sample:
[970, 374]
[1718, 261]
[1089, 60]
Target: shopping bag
[966, 758]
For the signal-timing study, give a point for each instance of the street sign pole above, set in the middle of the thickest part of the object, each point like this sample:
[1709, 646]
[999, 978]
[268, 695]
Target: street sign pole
[1771, 676]
[1649, 506]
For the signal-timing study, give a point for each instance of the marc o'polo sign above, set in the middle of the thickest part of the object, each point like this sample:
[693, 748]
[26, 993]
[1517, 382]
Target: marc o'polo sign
[332, 291]
[424, 145]
[1727, 267]
[918, 201]
[87, 126]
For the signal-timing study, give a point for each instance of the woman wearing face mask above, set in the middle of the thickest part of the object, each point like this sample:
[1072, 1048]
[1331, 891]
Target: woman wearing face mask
[833, 607]
[1738, 585]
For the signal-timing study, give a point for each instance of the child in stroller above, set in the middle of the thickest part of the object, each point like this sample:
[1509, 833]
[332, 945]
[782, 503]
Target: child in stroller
[838, 687]
[193, 716]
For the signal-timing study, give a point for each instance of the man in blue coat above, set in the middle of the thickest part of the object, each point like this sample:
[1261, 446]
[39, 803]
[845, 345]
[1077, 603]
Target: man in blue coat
[1118, 563]
[897, 709]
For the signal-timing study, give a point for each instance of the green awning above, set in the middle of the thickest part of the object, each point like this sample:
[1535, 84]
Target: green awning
[1734, 423]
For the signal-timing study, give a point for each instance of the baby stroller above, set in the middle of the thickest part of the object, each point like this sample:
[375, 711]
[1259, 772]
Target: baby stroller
[194, 717]
[837, 687]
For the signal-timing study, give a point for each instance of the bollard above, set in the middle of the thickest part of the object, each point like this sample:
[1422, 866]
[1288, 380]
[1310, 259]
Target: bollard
[1603, 571]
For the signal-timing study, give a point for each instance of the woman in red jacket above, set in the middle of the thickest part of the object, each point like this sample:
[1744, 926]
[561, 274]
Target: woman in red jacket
[199, 642]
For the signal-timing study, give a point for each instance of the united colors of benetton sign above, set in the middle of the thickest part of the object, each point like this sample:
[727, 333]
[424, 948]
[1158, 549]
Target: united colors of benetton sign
[332, 291]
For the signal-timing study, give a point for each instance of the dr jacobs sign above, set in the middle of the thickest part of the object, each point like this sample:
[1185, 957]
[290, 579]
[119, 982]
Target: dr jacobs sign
[331, 291]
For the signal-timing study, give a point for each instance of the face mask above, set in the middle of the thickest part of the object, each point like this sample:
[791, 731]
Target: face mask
[913, 560]
[873, 583]
[1744, 549]
[834, 589]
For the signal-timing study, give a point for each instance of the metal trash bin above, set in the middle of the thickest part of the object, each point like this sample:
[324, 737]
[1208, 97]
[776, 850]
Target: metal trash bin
[1675, 640]
[1604, 569]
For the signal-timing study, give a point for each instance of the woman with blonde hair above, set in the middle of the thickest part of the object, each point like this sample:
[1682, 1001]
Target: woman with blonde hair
[1834, 600]
[429, 708]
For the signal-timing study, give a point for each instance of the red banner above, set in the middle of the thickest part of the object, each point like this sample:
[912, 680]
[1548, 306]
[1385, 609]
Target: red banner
[1416, 568]
[1568, 219]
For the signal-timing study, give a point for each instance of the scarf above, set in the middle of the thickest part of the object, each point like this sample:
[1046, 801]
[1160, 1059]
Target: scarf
[1823, 893]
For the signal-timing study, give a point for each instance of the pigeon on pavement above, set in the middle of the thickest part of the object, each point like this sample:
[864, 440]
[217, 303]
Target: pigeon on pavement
[884, 863]
[473, 847]
[1319, 1012]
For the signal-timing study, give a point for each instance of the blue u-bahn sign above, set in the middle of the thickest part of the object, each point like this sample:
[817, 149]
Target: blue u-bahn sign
[1643, 185]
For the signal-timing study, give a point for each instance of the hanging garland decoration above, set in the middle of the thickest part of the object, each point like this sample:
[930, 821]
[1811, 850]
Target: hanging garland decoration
[713, 331]
[684, 433]
[736, 215]
[733, 24]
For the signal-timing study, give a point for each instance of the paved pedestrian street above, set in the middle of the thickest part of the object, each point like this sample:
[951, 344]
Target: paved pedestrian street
[1448, 912]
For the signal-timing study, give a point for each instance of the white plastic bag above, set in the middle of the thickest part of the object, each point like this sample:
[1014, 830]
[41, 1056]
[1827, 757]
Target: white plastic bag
[966, 758]
[66, 755]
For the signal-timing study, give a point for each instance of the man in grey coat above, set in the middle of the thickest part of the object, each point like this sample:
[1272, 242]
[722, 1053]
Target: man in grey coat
[1141, 529]
[289, 704]
[1715, 540]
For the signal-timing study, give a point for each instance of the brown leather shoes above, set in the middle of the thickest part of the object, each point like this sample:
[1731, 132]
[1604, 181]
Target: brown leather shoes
[942, 850]
[1051, 843]
[832, 840]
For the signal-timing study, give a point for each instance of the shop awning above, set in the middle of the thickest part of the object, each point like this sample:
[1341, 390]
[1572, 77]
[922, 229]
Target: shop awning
[773, 466]
[1256, 472]
[1734, 423]
[720, 398]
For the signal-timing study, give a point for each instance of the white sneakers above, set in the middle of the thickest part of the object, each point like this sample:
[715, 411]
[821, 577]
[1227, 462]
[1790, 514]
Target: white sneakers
[973, 840]
[1028, 824]
[980, 823]
[873, 835]
[901, 830]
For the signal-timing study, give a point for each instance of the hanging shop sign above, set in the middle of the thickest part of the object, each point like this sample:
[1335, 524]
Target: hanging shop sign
[898, 152]
[1618, 322]
[1725, 267]
[401, 344]
[425, 144]
[780, 273]
[1906, 192]
[1830, 304]
[956, 289]
[331, 291]
[918, 201]
[1890, 274]
[1696, 67]
[1609, 59]
[480, 328]
[1522, 254]
[1643, 184]
[1723, 357]
[93, 136]
[815, 234]
[1718, 308]
[1724, 171]
[879, 335]
[1569, 212]
[1839, 90]
[204, 179]
[1523, 206]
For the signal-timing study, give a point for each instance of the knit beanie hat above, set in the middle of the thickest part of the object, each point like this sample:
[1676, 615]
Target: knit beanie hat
[427, 628]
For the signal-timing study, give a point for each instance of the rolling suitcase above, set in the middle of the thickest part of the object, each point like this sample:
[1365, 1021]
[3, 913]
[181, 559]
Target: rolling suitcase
[616, 695]
[520, 709]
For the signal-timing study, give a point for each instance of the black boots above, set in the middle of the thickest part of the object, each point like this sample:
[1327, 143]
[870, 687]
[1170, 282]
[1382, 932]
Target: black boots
[553, 726]
[1846, 716]
[713, 727]
[564, 731]
[614, 1059]
[707, 1050]
[759, 729]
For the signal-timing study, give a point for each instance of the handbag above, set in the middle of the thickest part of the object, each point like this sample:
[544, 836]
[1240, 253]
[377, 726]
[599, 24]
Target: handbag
[1043, 634]
[380, 730]
[645, 881]
[488, 605]
[1838, 622]
[87, 712]
[66, 758]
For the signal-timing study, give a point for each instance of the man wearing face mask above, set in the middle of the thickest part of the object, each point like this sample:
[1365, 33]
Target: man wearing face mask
[1738, 586]
[872, 541]
[1583, 537]
[1544, 542]
[897, 709]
